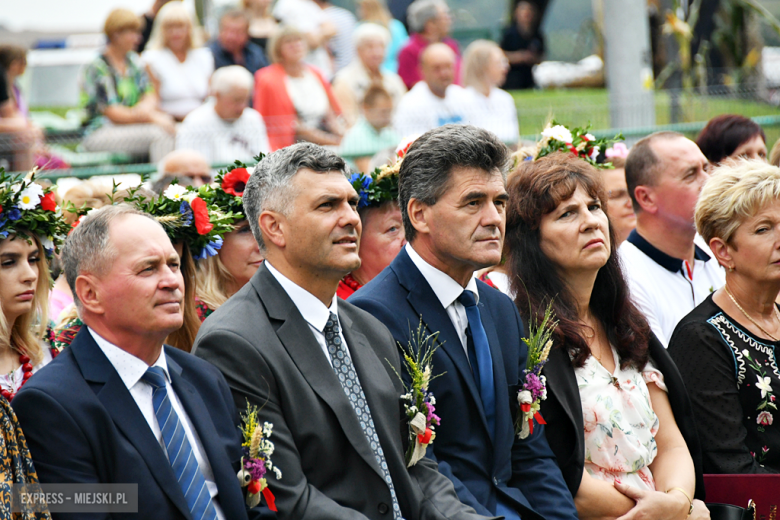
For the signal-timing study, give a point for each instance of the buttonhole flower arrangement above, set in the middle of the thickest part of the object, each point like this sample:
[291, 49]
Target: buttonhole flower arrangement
[419, 402]
[578, 141]
[534, 389]
[256, 460]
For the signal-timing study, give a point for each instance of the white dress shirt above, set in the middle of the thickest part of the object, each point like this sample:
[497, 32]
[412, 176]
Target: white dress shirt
[447, 291]
[130, 370]
[311, 308]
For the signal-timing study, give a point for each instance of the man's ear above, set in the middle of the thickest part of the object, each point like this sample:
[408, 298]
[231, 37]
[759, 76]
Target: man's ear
[88, 292]
[418, 215]
[722, 252]
[272, 226]
[646, 198]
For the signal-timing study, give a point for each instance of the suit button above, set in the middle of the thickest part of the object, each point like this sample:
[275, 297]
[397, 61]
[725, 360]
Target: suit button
[383, 508]
[496, 481]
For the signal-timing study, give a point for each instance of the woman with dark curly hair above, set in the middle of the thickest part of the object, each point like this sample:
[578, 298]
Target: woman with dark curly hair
[619, 439]
[730, 135]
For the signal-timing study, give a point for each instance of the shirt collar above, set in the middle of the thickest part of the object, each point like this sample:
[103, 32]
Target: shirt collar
[311, 308]
[129, 367]
[444, 287]
[669, 263]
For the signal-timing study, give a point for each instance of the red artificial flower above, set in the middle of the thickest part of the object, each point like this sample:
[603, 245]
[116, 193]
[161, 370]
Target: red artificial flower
[425, 438]
[402, 151]
[1, 209]
[235, 182]
[48, 203]
[75, 224]
[201, 214]
[254, 487]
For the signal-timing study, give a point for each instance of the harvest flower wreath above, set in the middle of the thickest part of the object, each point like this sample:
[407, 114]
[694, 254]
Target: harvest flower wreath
[419, 403]
[27, 208]
[381, 185]
[534, 389]
[578, 141]
[227, 190]
[256, 460]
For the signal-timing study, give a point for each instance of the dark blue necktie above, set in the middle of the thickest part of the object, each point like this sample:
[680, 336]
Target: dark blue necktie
[483, 357]
[180, 454]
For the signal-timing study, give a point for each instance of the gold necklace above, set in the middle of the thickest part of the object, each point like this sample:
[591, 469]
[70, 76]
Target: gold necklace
[762, 329]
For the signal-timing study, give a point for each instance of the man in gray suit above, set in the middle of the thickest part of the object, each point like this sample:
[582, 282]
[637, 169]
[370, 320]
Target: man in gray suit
[322, 371]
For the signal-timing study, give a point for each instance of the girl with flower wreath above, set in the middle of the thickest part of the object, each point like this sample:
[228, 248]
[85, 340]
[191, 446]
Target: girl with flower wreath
[31, 227]
[220, 276]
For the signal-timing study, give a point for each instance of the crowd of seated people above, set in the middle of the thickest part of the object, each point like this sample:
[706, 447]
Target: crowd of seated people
[288, 285]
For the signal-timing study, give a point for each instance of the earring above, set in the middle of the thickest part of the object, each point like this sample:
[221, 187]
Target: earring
[731, 269]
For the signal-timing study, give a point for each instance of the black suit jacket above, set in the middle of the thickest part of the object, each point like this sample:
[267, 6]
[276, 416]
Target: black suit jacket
[270, 357]
[83, 426]
[563, 412]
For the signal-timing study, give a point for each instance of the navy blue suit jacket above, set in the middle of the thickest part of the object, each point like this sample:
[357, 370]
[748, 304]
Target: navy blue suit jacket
[83, 426]
[523, 472]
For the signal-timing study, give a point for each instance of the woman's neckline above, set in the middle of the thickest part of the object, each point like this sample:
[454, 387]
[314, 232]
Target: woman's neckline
[741, 327]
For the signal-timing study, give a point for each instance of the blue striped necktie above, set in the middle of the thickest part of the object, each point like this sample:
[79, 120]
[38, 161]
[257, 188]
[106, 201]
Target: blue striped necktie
[484, 369]
[180, 454]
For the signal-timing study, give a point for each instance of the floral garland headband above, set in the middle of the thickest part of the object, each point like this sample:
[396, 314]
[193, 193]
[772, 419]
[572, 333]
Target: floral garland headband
[27, 208]
[556, 137]
[381, 185]
[227, 190]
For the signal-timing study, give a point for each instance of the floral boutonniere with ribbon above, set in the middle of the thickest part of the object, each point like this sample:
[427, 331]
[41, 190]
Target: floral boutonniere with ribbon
[256, 461]
[578, 141]
[534, 389]
[419, 403]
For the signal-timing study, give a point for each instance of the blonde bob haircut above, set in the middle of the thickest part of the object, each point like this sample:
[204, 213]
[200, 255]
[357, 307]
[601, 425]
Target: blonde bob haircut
[476, 59]
[29, 329]
[286, 34]
[120, 20]
[735, 192]
[212, 282]
[175, 13]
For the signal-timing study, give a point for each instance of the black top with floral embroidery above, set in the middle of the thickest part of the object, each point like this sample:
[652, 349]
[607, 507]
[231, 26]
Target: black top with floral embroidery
[734, 384]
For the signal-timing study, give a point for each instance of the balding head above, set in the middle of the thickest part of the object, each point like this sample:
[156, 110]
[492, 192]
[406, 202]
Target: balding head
[438, 67]
[189, 166]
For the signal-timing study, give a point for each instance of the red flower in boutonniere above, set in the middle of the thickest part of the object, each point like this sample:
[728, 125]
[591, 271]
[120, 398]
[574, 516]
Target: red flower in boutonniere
[235, 182]
[48, 203]
[201, 214]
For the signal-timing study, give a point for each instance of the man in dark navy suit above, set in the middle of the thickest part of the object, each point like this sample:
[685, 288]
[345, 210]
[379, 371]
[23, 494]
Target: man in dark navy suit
[453, 198]
[118, 406]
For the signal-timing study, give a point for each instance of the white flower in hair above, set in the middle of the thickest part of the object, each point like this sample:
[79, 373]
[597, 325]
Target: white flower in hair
[175, 192]
[47, 243]
[30, 196]
[559, 133]
[594, 152]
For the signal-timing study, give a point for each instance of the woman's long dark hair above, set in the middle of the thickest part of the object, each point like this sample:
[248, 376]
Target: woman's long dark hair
[535, 190]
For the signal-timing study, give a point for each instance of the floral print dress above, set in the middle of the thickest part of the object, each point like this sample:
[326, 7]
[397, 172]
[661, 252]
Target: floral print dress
[620, 424]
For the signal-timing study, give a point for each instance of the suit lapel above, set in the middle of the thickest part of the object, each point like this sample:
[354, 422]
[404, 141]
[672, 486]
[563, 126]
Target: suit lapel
[124, 411]
[305, 351]
[224, 475]
[425, 303]
[562, 382]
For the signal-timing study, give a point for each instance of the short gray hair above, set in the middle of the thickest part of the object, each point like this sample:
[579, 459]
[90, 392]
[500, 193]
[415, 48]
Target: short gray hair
[269, 187]
[227, 78]
[87, 248]
[427, 167]
[420, 11]
[369, 31]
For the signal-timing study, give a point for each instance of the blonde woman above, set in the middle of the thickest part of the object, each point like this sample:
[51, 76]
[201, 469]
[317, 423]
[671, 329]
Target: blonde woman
[24, 279]
[375, 11]
[262, 25]
[484, 69]
[178, 64]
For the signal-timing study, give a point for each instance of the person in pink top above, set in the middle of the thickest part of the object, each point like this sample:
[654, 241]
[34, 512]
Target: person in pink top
[429, 22]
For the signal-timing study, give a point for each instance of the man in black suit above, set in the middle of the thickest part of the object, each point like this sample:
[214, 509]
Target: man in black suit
[321, 371]
[118, 406]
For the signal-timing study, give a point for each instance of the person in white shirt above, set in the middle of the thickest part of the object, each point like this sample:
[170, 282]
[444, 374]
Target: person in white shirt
[225, 128]
[317, 27]
[484, 69]
[668, 274]
[126, 407]
[435, 101]
[177, 62]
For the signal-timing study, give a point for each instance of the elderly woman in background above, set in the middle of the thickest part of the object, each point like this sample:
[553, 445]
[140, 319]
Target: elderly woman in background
[734, 136]
[619, 207]
[484, 70]
[375, 11]
[616, 404]
[725, 348]
[177, 62]
[353, 81]
[294, 98]
[120, 99]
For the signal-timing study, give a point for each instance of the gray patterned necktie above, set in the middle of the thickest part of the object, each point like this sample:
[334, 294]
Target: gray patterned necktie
[345, 370]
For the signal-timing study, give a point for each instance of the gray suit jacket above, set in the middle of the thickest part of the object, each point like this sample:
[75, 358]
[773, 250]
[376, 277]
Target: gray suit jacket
[270, 358]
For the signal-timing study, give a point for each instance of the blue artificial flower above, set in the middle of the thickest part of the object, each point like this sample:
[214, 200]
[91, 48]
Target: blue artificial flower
[186, 210]
[210, 249]
[365, 182]
[14, 214]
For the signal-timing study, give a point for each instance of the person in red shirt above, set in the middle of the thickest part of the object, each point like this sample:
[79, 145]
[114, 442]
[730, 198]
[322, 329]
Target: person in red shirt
[429, 22]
